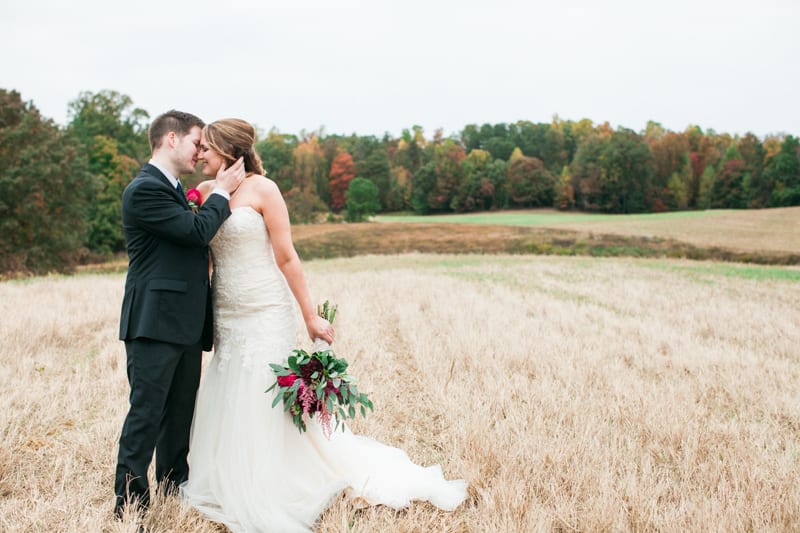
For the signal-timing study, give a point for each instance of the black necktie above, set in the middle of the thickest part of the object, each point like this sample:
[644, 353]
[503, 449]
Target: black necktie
[180, 189]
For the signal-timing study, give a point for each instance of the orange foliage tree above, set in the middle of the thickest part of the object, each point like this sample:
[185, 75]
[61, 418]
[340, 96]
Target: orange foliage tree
[343, 170]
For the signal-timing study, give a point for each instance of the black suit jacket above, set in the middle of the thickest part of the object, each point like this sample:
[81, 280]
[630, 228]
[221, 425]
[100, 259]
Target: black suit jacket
[167, 293]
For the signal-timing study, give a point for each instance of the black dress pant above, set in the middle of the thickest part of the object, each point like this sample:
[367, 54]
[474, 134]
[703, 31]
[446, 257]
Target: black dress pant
[163, 378]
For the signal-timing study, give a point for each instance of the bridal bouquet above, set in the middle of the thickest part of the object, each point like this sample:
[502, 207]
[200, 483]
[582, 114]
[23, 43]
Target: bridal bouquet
[318, 383]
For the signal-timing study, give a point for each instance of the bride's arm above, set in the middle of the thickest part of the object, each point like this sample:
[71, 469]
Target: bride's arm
[276, 218]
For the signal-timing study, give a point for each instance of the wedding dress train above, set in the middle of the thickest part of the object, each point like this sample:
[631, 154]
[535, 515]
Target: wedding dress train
[249, 466]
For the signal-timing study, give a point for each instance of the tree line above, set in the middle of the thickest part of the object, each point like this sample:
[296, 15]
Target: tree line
[61, 186]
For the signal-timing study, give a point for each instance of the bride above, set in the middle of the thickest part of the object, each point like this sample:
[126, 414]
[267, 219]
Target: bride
[249, 466]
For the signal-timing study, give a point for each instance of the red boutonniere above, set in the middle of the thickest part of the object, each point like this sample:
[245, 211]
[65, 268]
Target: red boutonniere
[195, 199]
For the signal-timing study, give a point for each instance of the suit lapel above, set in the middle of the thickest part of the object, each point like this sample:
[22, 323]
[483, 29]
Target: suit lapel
[153, 171]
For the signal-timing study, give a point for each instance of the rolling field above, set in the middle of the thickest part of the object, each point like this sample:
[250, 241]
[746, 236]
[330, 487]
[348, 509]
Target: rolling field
[572, 393]
[768, 236]
[765, 230]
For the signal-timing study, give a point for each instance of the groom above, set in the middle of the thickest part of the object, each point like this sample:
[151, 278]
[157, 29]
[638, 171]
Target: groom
[166, 318]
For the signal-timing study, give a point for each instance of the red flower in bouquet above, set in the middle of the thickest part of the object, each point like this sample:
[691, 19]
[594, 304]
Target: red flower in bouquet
[195, 199]
[318, 383]
[286, 381]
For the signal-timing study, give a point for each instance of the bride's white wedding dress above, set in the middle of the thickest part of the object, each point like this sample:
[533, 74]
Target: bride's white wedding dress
[249, 466]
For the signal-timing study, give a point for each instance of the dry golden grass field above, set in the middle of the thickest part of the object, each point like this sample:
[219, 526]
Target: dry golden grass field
[573, 393]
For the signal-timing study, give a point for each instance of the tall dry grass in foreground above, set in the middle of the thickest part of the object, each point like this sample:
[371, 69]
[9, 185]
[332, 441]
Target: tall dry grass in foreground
[573, 394]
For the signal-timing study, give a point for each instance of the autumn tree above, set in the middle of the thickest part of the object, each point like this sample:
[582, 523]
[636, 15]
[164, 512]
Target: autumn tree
[728, 190]
[399, 197]
[343, 170]
[564, 190]
[308, 165]
[572, 134]
[556, 151]
[411, 152]
[586, 172]
[530, 183]
[305, 199]
[449, 173]
[45, 191]
[673, 176]
[653, 132]
[676, 193]
[476, 191]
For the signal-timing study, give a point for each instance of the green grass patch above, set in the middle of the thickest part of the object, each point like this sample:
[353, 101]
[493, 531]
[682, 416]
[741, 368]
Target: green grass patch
[750, 272]
[537, 218]
[482, 276]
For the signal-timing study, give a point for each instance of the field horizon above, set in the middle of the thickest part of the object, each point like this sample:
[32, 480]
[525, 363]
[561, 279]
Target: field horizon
[767, 236]
[746, 230]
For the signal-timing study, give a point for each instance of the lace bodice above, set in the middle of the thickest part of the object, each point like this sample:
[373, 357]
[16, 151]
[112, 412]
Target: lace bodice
[251, 297]
[245, 274]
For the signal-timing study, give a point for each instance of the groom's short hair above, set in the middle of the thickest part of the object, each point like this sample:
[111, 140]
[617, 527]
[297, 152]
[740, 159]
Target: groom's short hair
[177, 121]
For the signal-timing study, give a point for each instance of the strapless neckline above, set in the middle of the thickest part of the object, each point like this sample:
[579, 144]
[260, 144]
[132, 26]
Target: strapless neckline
[250, 207]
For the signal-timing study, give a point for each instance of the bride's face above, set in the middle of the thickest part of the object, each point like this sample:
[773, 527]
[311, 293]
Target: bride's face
[212, 161]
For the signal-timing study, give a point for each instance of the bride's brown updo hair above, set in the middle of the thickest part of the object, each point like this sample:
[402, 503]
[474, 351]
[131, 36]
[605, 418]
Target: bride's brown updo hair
[233, 138]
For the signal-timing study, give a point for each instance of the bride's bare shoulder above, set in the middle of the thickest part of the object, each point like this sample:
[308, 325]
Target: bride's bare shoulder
[264, 185]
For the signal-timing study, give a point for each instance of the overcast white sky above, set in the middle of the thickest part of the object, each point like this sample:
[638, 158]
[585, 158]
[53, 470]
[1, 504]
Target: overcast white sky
[366, 67]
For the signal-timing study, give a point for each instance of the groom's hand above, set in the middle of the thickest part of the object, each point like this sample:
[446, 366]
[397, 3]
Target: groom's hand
[230, 178]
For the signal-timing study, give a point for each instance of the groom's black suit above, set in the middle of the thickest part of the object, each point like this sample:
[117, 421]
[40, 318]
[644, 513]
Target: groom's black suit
[166, 322]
